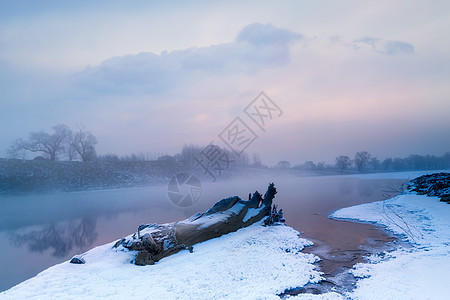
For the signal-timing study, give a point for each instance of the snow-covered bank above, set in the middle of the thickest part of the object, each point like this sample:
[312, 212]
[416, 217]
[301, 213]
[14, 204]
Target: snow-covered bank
[416, 272]
[256, 262]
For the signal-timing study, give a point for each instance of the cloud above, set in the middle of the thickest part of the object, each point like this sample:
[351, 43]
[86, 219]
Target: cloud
[267, 34]
[394, 47]
[388, 47]
[334, 101]
[257, 46]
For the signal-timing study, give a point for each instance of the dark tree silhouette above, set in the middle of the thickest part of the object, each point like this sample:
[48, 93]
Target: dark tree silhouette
[84, 144]
[51, 145]
[361, 159]
[343, 162]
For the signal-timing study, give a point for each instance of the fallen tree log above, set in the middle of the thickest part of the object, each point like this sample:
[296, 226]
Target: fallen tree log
[153, 241]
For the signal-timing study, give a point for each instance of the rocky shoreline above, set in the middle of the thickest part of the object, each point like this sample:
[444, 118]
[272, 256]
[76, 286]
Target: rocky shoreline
[433, 185]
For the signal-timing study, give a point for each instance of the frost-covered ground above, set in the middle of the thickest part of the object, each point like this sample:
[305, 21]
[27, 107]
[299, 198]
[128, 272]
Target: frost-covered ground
[256, 262]
[416, 272]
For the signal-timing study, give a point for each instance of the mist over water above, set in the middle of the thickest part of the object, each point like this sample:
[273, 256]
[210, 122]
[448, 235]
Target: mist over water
[40, 230]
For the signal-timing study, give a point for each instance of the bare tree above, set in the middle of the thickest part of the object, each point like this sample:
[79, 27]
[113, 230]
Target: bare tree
[361, 159]
[84, 144]
[256, 160]
[188, 153]
[321, 165]
[17, 150]
[374, 163]
[343, 162]
[284, 164]
[69, 149]
[387, 163]
[50, 145]
[309, 165]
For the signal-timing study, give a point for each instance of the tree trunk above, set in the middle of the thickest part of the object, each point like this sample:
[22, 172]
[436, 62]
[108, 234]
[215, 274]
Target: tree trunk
[154, 241]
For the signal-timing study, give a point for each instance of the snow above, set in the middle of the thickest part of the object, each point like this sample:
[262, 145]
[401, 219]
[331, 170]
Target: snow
[256, 262]
[416, 272]
[236, 209]
[251, 213]
[207, 220]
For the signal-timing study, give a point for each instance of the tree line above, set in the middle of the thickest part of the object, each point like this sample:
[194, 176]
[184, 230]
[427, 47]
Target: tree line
[364, 161]
[64, 144]
[186, 158]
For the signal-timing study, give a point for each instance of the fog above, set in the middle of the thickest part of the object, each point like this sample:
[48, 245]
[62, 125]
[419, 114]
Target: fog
[158, 78]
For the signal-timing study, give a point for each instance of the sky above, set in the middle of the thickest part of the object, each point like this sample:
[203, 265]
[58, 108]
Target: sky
[152, 76]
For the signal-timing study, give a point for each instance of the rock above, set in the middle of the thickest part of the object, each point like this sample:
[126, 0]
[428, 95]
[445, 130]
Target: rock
[77, 261]
[433, 185]
[446, 198]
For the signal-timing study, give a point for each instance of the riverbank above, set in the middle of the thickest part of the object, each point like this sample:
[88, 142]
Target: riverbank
[31, 176]
[416, 272]
[340, 260]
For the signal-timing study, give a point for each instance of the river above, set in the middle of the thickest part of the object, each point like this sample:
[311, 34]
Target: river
[41, 230]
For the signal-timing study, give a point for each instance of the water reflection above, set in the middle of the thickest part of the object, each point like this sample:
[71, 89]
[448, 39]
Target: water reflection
[393, 190]
[345, 188]
[60, 238]
[366, 189]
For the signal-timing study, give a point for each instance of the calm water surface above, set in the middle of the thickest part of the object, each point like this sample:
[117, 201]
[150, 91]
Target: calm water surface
[38, 231]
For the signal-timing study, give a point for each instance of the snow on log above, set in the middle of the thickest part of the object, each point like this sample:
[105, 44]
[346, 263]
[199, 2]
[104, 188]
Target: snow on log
[154, 241]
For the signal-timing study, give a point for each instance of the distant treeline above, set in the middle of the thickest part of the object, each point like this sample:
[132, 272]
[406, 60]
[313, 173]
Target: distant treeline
[64, 144]
[189, 156]
[365, 162]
